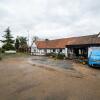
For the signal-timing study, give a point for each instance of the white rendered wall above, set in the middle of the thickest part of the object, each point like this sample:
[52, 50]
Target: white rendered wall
[66, 52]
[48, 50]
[63, 50]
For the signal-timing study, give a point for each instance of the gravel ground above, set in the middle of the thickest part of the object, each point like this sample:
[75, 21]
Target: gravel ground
[21, 79]
[51, 62]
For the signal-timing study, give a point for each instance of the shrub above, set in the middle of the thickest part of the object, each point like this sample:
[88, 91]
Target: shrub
[0, 58]
[48, 54]
[3, 51]
[0, 49]
[53, 55]
[61, 56]
[56, 56]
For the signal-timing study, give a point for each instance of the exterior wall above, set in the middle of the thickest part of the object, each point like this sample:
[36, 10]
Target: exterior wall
[66, 52]
[57, 50]
[41, 52]
[92, 48]
[36, 51]
[70, 53]
[48, 51]
[33, 48]
[63, 51]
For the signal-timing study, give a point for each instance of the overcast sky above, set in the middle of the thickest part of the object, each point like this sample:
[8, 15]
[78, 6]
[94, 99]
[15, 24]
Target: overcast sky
[50, 18]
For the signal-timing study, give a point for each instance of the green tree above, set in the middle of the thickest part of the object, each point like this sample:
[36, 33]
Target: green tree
[23, 44]
[8, 41]
[35, 38]
[17, 44]
[23, 41]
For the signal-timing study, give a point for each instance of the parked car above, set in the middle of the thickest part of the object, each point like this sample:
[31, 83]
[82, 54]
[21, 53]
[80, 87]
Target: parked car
[94, 58]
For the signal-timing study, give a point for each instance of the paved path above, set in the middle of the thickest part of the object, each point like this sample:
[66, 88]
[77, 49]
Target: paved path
[21, 80]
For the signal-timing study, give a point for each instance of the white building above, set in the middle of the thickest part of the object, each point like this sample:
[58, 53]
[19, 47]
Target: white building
[71, 47]
[44, 47]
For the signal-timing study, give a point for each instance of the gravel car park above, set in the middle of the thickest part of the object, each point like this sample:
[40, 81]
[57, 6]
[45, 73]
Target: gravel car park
[41, 78]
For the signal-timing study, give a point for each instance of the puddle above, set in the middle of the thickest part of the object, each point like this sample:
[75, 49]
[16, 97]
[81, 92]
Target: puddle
[51, 62]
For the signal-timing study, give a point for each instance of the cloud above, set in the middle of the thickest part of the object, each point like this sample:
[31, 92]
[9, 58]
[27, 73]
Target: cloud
[50, 18]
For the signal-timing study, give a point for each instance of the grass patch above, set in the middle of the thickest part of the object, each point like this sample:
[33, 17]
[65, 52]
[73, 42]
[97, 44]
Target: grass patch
[3, 55]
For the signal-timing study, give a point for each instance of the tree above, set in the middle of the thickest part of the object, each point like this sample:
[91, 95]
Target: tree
[23, 43]
[35, 38]
[17, 43]
[8, 41]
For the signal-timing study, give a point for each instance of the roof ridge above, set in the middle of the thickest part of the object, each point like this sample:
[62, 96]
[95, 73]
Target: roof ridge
[70, 37]
[76, 36]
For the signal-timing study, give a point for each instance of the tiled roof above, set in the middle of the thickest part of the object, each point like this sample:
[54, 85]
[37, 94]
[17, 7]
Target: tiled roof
[61, 43]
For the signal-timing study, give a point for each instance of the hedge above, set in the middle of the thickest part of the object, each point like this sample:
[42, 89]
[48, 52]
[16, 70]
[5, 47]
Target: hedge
[55, 55]
[61, 56]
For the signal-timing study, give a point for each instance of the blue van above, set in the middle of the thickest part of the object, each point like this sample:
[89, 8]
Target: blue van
[94, 58]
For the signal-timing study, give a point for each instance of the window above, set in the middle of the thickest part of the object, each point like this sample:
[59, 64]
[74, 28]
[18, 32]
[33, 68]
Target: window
[53, 50]
[60, 50]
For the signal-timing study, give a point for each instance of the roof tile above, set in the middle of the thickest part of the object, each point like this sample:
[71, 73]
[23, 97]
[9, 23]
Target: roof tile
[61, 43]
